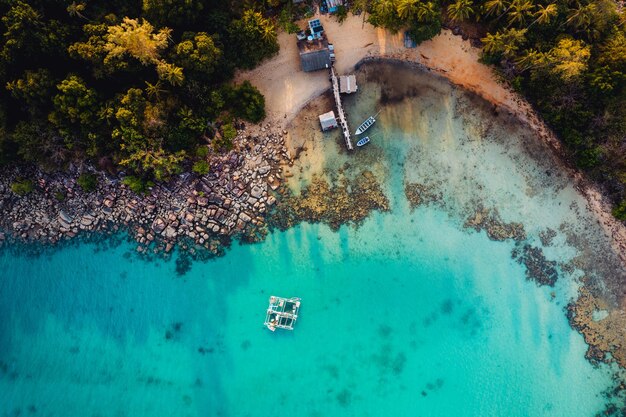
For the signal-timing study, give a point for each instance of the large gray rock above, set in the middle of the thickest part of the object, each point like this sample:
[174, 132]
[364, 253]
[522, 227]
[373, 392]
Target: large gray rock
[256, 191]
[158, 226]
[169, 232]
[65, 217]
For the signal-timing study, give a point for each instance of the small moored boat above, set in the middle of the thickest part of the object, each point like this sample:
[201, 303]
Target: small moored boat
[363, 141]
[366, 125]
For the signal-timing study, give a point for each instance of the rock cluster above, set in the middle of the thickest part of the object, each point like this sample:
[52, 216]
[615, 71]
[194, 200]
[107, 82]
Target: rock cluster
[343, 201]
[200, 211]
[602, 336]
[538, 268]
[489, 220]
[547, 236]
[419, 194]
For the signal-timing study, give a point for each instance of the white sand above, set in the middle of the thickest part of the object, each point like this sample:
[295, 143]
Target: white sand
[287, 88]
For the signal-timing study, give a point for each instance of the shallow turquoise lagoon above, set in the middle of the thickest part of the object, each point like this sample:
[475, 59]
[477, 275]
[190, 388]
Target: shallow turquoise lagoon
[419, 320]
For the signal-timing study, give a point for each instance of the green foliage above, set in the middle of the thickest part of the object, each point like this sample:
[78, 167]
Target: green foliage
[140, 86]
[286, 19]
[247, 102]
[422, 18]
[22, 187]
[202, 152]
[224, 141]
[421, 32]
[341, 13]
[136, 39]
[23, 31]
[461, 10]
[59, 195]
[620, 210]
[176, 13]
[33, 90]
[251, 39]
[137, 185]
[201, 167]
[74, 104]
[568, 59]
[198, 52]
[88, 182]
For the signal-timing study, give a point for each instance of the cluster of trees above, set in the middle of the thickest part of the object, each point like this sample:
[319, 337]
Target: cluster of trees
[140, 85]
[567, 56]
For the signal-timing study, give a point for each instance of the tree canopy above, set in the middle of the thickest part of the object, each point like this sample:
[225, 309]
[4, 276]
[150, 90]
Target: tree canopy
[143, 82]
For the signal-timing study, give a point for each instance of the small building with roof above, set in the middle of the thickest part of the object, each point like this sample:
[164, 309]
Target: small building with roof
[328, 121]
[315, 52]
[347, 84]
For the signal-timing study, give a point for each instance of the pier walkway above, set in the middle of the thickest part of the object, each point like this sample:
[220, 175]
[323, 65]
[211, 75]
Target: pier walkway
[342, 117]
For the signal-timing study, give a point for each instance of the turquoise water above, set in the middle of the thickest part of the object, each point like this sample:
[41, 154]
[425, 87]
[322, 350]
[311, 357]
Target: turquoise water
[408, 315]
[405, 324]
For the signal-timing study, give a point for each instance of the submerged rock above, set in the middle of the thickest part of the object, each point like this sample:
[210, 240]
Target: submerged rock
[343, 201]
[538, 268]
[603, 336]
[496, 229]
[419, 194]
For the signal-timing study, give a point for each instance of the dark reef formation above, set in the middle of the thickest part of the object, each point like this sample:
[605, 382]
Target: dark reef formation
[490, 222]
[343, 201]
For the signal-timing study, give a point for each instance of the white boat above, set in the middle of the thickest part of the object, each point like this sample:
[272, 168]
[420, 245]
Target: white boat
[365, 125]
[363, 141]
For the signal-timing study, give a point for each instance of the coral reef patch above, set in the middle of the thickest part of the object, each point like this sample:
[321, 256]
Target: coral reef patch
[331, 202]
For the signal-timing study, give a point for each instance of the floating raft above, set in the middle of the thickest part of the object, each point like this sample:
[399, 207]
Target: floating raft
[282, 313]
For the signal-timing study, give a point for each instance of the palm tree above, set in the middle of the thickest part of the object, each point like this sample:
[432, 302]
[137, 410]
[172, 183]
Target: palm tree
[512, 39]
[545, 14]
[461, 10]
[580, 17]
[531, 59]
[506, 43]
[493, 43]
[495, 6]
[407, 9]
[154, 90]
[170, 73]
[384, 7]
[427, 11]
[268, 33]
[519, 10]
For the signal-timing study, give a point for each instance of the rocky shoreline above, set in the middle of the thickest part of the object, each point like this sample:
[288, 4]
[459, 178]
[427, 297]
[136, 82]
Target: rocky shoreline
[197, 213]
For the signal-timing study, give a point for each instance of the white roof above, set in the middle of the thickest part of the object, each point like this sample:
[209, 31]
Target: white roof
[327, 116]
[347, 84]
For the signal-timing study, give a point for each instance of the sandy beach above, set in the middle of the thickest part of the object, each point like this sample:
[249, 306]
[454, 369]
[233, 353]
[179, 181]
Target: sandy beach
[288, 89]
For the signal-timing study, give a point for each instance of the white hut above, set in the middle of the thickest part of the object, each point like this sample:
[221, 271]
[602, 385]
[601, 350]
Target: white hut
[328, 121]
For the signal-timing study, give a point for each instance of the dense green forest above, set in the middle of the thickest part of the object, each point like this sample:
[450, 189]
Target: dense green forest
[145, 85]
[138, 85]
[568, 57]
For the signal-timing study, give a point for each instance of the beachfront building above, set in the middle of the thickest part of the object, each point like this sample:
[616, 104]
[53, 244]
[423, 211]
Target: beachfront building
[328, 121]
[314, 54]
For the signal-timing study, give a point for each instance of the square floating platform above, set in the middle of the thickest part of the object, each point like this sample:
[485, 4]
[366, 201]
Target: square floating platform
[282, 313]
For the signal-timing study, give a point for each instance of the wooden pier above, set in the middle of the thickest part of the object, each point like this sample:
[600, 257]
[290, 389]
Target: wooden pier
[342, 117]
